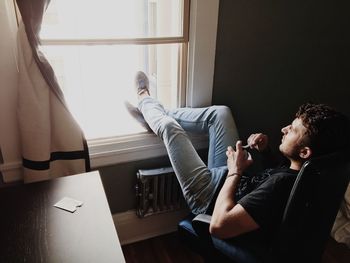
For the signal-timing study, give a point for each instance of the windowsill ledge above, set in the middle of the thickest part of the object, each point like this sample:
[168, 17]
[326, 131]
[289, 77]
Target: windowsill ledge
[111, 151]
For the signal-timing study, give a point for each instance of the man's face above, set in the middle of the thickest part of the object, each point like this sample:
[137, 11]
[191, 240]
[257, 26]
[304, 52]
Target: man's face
[292, 141]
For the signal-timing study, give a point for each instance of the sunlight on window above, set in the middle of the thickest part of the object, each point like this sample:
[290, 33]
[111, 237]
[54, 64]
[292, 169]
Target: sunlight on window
[112, 19]
[97, 79]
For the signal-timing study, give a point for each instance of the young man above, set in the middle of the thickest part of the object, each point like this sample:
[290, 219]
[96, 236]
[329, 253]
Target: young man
[244, 204]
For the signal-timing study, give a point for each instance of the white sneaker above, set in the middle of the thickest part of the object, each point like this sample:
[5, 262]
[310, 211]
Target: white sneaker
[141, 83]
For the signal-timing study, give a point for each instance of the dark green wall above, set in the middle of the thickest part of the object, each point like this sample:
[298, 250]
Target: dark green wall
[271, 56]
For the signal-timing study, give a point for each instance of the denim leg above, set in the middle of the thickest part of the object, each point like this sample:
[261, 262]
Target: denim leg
[198, 183]
[215, 120]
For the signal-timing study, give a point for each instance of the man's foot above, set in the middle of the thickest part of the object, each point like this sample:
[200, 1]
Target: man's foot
[141, 83]
[136, 113]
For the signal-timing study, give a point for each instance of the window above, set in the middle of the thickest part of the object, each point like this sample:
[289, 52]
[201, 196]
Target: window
[96, 47]
[201, 56]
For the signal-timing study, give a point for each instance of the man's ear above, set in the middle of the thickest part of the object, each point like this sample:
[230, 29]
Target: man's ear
[305, 153]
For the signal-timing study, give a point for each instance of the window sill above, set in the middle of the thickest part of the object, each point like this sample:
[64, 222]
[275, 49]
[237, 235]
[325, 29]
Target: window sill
[111, 151]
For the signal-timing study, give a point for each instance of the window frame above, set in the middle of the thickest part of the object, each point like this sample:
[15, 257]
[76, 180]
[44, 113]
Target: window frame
[198, 78]
[182, 40]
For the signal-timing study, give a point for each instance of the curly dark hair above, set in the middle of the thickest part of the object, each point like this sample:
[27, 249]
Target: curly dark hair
[327, 129]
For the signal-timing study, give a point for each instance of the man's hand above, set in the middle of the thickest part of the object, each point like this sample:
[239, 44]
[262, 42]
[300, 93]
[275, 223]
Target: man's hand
[230, 219]
[258, 141]
[239, 160]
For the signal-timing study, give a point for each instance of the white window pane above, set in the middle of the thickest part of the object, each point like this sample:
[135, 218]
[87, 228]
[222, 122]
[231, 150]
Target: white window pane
[96, 80]
[76, 19]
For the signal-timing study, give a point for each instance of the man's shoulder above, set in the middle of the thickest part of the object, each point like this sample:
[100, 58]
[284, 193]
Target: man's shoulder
[283, 172]
[280, 176]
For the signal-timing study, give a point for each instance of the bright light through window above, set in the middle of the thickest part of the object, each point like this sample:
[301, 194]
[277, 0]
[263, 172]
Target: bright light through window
[96, 47]
[113, 19]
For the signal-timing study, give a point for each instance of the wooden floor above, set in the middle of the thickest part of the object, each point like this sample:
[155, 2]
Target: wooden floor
[168, 249]
[336, 253]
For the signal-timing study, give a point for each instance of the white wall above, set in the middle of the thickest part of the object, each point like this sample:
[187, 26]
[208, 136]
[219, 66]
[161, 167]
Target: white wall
[203, 31]
[9, 135]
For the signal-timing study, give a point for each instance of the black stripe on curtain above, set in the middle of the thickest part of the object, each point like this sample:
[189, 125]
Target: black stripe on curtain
[44, 165]
[86, 155]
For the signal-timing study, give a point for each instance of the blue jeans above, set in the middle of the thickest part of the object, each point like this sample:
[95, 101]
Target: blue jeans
[198, 181]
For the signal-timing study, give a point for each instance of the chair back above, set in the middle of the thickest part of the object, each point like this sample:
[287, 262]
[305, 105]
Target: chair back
[311, 209]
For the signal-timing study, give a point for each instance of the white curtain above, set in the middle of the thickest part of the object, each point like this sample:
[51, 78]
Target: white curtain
[52, 142]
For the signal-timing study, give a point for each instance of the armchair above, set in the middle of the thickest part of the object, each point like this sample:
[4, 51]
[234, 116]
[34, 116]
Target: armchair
[307, 221]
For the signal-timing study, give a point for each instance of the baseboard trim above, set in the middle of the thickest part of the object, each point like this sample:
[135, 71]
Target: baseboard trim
[131, 228]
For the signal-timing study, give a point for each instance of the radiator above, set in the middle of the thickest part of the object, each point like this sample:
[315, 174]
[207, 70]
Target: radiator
[158, 191]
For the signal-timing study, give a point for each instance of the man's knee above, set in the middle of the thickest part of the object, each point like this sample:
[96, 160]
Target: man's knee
[168, 126]
[222, 113]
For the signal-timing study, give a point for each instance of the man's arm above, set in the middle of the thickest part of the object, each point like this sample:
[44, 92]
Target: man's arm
[230, 219]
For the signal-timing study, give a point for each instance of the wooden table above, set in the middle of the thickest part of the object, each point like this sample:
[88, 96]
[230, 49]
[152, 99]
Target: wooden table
[33, 230]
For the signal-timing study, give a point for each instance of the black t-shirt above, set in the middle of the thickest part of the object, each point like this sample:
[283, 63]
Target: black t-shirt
[264, 197]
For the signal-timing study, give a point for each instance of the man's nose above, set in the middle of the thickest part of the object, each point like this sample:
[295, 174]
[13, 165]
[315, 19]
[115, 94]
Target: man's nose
[284, 129]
